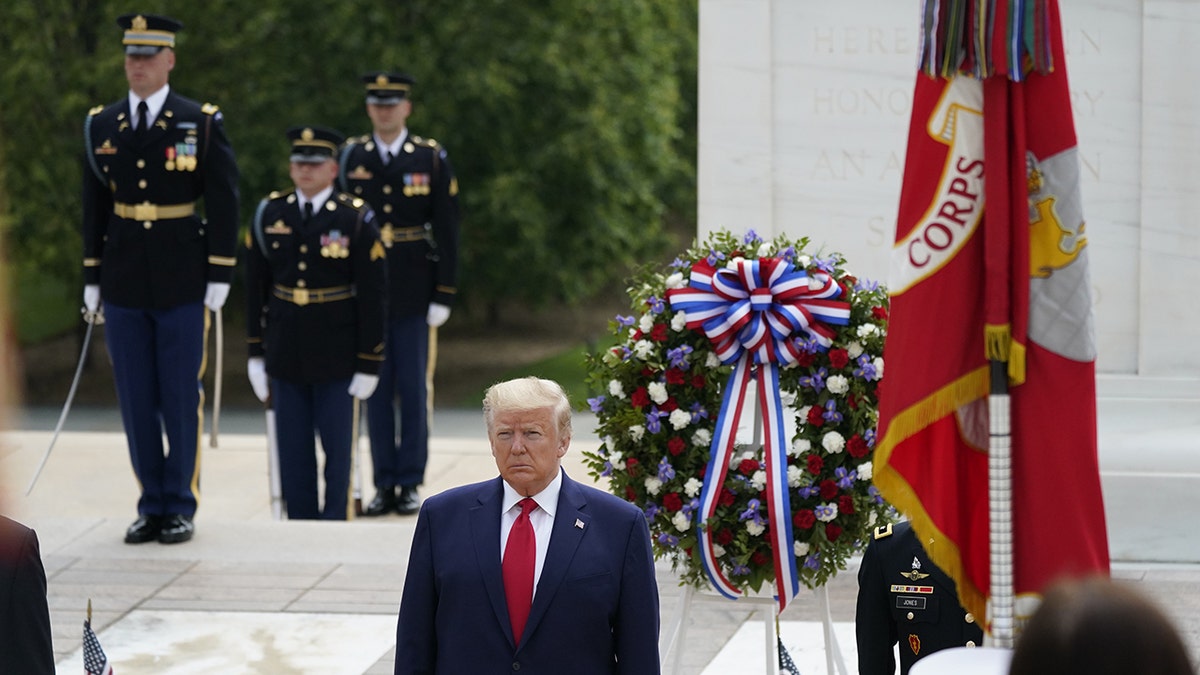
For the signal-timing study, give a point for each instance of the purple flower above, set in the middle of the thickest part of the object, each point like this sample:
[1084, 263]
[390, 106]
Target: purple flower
[608, 469]
[751, 237]
[867, 285]
[788, 254]
[874, 494]
[812, 562]
[869, 437]
[668, 540]
[815, 381]
[831, 413]
[845, 478]
[651, 510]
[698, 412]
[740, 571]
[750, 513]
[809, 491]
[715, 256]
[679, 263]
[597, 403]
[866, 368]
[624, 321]
[826, 264]
[656, 304]
[626, 353]
[653, 426]
[678, 356]
[691, 506]
[665, 471]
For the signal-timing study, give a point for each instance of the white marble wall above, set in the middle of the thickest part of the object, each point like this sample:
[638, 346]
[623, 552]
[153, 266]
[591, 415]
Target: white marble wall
[804, 111]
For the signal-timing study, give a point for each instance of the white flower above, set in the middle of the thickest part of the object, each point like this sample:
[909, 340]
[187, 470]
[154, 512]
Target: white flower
[681, 521]
[718, 550]
[803, 261]
[802, 415]
[872, 518]
[754, 528]
[787, 397]
[826, 512]
[702, 438]
[679, 419]
[693, 486]
[800, 548]
[867, 330]
[611, 358]
[878, 363]
[837, 384]
[814, 283]
[646, 323]
[679, 321]
[643, 349]
[854, 350]
[764, 250]
[617, 460]
[800, 446]
[712, 360]
[865, 471]
[658, 392]
[653, 485]
[833, 442]
[795, 476]
[615, 389]
[635, 432]
[675, 281]
[759, 480]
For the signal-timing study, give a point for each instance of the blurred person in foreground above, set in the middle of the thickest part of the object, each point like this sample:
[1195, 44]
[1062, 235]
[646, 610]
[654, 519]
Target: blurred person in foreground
[1098, 626]
[529, 571]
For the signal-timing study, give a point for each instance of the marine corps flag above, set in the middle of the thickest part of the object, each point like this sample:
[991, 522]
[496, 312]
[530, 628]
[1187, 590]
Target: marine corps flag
[990, 267]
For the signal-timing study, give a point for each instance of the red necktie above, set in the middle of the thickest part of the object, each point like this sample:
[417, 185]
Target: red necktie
[520, 553]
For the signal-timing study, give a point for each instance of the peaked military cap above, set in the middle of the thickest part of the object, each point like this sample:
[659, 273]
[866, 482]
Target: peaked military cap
[147, 34]
[387, 88]
[313, 145]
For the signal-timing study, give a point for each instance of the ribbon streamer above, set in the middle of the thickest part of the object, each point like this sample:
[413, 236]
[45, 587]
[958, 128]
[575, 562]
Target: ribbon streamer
[751, 311]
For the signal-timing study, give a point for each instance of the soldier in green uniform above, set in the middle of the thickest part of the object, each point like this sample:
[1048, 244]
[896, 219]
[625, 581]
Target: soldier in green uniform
[410, 184]
[903, 597]
[155, 265]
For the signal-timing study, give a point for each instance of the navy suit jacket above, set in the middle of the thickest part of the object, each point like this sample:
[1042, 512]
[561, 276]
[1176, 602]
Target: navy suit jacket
[595, 610]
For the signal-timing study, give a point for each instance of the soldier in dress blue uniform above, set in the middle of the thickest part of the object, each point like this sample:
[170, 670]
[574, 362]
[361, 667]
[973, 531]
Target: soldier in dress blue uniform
[410, 184]
[903, 597]
[316, 292]
[156, 265]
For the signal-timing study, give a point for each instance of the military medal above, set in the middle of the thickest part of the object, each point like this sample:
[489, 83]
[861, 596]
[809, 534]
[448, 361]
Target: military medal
[915, 574]
[170, 159]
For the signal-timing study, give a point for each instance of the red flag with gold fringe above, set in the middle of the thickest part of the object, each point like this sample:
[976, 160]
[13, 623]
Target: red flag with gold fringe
[990, 264]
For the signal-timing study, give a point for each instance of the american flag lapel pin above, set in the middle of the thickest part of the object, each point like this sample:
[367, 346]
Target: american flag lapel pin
[579, 523]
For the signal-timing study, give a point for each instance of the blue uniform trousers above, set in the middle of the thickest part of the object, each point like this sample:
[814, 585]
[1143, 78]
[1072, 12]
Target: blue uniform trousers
[400, 460]
[301, 411]
[158, 360]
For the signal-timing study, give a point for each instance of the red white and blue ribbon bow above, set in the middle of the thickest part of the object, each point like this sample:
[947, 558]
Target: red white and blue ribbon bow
[752, 311]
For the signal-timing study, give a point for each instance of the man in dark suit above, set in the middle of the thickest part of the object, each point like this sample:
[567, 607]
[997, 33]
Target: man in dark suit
[481, 553]
[156, 265]
[25, 643]
[410, 184]
[316, 289]
[903, 597]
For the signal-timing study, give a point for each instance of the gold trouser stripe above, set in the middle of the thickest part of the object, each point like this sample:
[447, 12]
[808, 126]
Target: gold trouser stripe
[430, 366]
[148, 211]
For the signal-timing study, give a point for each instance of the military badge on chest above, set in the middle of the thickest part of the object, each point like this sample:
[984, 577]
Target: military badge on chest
[416, 184]
[182, 156]
[335, 245]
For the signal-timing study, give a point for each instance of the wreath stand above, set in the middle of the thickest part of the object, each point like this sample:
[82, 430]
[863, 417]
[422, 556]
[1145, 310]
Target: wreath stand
[677, 632]
[673, 638]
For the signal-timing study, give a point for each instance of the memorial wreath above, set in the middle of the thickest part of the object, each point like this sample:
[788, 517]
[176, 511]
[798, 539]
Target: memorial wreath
[733, 330]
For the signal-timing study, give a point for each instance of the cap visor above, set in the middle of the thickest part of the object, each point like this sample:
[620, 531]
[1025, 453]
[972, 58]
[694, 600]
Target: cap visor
[310, 159]
[384, 100]
[142, 50]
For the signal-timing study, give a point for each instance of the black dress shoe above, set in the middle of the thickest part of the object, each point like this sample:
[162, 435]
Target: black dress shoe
[408, 503]
[176, 529]
[383, 503]
[144, 529]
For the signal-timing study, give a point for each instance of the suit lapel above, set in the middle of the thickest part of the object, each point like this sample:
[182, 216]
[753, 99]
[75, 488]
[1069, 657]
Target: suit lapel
[485, 536]
[564, 541]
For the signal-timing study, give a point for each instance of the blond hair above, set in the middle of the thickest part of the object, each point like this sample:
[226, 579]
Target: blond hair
[528, 393]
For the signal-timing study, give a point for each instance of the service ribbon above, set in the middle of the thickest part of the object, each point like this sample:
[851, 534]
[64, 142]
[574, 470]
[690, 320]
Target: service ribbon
[751, 310]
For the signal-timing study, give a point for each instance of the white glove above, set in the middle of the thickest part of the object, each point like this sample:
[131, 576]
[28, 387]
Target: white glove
[91, 298]
[256, 368]
[437, 314]
[363, 385]
[215, 295]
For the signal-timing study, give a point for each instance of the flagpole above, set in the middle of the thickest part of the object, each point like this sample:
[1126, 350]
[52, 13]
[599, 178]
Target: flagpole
[1000, 507]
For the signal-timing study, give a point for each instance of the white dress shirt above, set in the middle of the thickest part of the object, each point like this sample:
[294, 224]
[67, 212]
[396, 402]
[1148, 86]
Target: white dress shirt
[393, 148]
[317, 201]
[541, 518]
[154, 105]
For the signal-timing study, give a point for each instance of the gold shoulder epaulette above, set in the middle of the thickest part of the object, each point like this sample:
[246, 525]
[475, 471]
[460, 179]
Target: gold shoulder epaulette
[351, 200]
[883, 532]
[276, 194]
[96, 111]
[209, 109]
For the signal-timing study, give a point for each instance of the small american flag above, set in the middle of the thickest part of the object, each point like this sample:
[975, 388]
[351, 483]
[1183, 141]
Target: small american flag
[786, 665]
[94, 660]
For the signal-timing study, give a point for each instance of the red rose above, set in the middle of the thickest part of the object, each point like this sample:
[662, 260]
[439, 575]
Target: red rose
[724, 537]
[672, 502]
[879, 313]
[857, 447]
[815, 416]
[659, 332]
[829, 489]
[846, 504]
[838, 358]
[630, 495]
[804, 359]
[676, 445]
[748, 467]
[675, 376]
[631, 466]
[668, 405]
[698, 381]
[640, 398]
[637, 334]
[727, 497]
[804, 519]
[832, 532]
[759, 558]
[815, 464]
